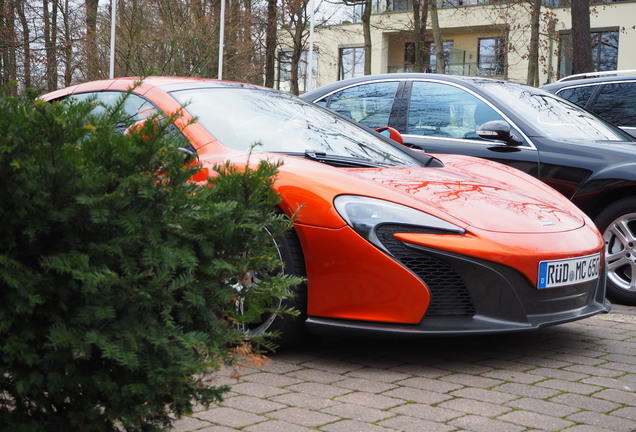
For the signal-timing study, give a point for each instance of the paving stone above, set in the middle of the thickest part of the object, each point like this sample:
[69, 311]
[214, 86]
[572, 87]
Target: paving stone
[585, 402]
[303, 417]
[333, 366]
[411, 370]
[252, 404]
[476, 423]
[357, 412]
[535, 420]
[526, 390]
[314, 375]
[513, 376]
[304, 400]
[434, 385]
[324, 390]
[410, 394]
[354, 426]
[491, 395]
[370, 400]
[229, 417]
[627, 412]
[594, 371]
[211, 428]
[271, 379]
[412, 424]
[568, 386]
[557, 373]
[466, 366]
[382, 375]
[542, 407]
[619, 396]
[189, 423]
[472, 380]
[257, 389]
[471, 406]
[609, 422]
[274, 426]
[365, 385]
[427, 412]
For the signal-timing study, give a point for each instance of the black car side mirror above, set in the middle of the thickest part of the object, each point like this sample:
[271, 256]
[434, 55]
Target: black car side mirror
[498, 130]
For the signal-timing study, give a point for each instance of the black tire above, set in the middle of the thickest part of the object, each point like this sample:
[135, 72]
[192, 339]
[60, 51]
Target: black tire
[291, 328]
[617, 223]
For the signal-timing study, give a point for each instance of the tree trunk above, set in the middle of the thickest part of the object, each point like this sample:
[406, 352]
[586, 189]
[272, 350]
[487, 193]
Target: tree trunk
[581, 37]
[366, 28]
[26, 42]
[92, 59]
[296, 53]
[532, 78]
[270, 44]
[420, 15]
[9, 45]
[50, 43]
[437, 38]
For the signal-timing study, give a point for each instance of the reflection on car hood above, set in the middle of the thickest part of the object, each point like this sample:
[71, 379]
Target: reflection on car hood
[483, 195]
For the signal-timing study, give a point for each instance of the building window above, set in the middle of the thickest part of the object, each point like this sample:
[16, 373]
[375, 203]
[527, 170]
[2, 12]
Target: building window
[428, 56]
[284, 71]
[491, 56]
[604, 51]
[351, 62]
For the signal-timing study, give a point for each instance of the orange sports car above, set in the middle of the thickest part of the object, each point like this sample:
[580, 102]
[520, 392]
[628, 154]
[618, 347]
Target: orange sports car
[392, 241]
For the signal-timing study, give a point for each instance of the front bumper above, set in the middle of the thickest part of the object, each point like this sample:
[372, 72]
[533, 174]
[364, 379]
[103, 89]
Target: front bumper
[473, 296]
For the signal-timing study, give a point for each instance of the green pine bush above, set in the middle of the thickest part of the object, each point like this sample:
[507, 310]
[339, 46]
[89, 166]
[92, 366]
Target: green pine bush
[118, 275]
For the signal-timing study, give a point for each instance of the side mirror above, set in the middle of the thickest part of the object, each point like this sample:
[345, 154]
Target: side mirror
[498, 130]
[391, 133]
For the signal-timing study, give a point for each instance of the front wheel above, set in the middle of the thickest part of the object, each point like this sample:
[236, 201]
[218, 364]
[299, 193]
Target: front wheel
[290, 328]
[617, 223]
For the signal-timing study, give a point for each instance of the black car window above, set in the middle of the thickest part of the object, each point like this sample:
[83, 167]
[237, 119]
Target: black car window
[577, 95]
[369, 104]
[616, 103]
[437, 109]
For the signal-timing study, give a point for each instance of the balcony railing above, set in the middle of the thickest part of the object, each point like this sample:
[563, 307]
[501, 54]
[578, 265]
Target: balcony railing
[464, 69]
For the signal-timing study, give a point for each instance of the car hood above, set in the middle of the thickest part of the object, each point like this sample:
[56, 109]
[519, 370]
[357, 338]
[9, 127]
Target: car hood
[483, 195]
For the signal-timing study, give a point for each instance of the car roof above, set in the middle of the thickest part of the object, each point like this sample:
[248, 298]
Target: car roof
[588, 81]
[458, 79]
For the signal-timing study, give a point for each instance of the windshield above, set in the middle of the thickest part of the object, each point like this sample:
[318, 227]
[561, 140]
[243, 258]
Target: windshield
[551, 116]
[242, 117]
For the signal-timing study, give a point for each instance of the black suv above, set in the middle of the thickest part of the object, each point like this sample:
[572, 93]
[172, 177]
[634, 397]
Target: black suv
[610, 95]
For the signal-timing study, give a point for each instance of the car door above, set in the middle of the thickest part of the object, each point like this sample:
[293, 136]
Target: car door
[443, 117]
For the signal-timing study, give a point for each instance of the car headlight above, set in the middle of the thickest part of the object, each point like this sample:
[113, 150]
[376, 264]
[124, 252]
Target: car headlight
[365, 214]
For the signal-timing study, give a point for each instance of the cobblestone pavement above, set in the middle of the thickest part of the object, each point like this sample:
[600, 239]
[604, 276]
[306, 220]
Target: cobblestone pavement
[577, 377]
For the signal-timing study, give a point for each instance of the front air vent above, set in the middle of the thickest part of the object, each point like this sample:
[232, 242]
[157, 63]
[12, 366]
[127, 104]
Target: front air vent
[449, 294]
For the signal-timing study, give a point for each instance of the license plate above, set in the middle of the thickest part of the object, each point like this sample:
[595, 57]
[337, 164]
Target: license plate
[571, 271]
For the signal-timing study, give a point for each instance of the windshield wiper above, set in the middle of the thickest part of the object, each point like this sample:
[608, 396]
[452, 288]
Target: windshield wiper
[336, 160]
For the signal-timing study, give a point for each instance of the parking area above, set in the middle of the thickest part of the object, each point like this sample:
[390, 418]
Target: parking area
[577, 377]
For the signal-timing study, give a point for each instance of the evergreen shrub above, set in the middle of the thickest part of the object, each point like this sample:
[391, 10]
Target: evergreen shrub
[118, 276]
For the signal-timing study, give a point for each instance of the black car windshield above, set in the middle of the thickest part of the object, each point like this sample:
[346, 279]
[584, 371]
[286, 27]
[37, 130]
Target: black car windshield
[551, 116]
[242, 117]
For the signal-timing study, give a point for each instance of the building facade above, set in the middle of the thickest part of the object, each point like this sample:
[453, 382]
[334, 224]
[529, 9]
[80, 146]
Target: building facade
[481, 37]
